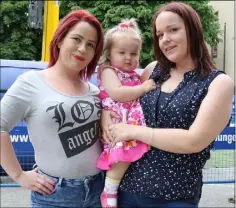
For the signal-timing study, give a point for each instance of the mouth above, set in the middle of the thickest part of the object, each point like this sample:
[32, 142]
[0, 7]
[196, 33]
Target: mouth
[169, 48]
[128, 64]
[79, 58]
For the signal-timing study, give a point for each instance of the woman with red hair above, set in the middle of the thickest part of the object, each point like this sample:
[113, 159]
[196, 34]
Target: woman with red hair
[61, 110]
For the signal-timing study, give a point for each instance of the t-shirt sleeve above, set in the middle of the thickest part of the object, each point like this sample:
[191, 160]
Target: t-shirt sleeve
[16, 104]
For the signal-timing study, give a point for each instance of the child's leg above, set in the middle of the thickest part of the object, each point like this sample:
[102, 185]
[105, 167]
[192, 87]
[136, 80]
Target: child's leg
[112, 181]
[117, 170]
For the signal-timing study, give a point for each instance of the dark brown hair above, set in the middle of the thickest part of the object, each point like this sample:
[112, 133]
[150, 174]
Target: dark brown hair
[196, 43]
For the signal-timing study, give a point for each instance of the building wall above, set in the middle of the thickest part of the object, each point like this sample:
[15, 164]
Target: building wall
[225, 11]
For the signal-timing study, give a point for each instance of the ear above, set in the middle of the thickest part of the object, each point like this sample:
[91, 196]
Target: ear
[60, 43]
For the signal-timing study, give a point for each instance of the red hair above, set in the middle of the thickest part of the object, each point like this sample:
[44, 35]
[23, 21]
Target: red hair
[64, 27]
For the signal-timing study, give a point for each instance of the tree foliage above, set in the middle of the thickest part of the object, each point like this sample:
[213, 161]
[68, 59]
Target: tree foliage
[20, 42]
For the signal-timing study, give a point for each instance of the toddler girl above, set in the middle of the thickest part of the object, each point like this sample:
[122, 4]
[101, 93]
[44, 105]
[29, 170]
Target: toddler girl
[120, 88]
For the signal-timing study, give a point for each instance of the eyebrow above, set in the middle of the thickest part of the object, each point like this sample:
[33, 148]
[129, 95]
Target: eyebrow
[123, 49]
[167, 27]
[83, 38]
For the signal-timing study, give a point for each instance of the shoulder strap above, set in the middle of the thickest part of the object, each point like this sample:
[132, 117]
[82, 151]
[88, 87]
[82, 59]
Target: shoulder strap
[214, 74]
[155, 73]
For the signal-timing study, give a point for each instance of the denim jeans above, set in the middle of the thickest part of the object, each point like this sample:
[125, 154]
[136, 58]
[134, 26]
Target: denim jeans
[82, 192]
[129, 200]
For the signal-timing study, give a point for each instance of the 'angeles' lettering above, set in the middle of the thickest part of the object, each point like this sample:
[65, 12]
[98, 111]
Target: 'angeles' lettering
[79, 139]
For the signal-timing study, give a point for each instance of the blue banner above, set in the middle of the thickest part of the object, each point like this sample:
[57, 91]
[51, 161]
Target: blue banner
[21, 142]
[226, 139]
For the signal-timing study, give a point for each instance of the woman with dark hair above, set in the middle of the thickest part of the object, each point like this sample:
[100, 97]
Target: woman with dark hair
[61, 110]
[189, 108]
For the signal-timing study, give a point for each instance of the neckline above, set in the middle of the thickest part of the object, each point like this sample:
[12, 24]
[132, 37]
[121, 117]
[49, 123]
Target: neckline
[187, 73]
[165, 75]
[166, 93]
[58, 92]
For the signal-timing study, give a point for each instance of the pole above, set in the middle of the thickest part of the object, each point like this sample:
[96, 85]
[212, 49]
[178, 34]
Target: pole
[50, 22]
[224, 47]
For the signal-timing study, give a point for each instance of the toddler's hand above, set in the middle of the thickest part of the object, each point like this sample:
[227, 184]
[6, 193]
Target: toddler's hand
[148, 85]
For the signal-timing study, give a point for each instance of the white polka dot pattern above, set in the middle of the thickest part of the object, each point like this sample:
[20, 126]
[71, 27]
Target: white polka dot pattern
[164, 175]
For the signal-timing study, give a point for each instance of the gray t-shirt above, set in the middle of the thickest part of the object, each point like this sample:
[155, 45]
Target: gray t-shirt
[63, 129]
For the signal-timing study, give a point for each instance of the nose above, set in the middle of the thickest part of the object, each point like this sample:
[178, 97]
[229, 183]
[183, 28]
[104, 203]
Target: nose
[166, 38]
[81, 48]
[128, 57]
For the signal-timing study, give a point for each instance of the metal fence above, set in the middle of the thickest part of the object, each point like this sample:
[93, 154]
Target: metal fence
[218, 169]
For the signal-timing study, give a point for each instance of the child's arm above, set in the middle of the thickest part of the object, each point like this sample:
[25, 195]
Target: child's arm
[117, 92]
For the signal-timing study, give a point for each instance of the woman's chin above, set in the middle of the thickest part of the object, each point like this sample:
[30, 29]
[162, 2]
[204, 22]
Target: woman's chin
[173, 58]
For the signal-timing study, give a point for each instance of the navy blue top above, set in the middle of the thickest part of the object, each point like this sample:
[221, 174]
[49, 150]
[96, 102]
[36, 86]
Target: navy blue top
[161, 101]
[164, 175]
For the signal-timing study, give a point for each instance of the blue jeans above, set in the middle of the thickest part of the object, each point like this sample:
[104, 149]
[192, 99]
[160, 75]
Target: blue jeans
[82, 192]
[129, 200]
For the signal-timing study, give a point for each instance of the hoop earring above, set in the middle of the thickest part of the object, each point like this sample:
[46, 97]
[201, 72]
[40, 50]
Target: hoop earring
[84, 73]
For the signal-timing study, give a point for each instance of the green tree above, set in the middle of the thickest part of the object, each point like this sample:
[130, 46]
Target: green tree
[110, 13]
[18, 41]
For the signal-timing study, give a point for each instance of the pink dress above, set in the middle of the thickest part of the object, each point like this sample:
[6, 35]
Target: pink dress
[128, 151]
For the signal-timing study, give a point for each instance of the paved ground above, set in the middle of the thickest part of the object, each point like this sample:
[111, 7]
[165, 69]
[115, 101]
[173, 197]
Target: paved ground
[212, 196]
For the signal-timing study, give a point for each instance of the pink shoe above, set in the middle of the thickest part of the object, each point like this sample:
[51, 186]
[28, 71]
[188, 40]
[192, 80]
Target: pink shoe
[104, 196]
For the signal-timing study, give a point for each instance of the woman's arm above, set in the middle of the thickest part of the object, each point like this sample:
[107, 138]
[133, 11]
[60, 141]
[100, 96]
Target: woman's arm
[8, 157]
[120, 93]
[30, 179]
[105, 122]
[15, 105]
[212, 117]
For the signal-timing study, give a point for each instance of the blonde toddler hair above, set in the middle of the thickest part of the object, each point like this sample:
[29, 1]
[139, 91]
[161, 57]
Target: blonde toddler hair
[125, 26]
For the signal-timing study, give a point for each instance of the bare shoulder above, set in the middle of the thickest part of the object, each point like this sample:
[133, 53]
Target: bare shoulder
[108, 70]
[108, 75]
[222, 82]
[151, 66]
[148, 71]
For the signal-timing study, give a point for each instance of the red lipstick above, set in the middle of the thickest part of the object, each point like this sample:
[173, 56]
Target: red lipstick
[79, 58]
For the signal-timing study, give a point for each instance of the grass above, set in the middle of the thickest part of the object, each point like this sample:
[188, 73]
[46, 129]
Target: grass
[221, 159]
